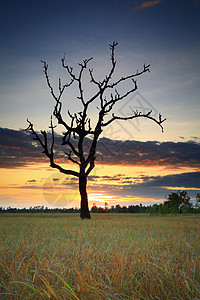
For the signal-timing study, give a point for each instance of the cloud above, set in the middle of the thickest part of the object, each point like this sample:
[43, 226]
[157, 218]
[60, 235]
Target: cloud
[145, 188]
[186, 180]
[18, 149]
[148, 153]
[147, 4]
[153, 187]
[161, 186]
[139, 5]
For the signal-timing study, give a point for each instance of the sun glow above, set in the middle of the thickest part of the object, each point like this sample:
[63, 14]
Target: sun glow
[41, 185]
[100, 199]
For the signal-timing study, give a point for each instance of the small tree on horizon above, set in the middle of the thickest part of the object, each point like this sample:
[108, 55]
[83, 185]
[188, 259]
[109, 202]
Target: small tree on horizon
[78, 126]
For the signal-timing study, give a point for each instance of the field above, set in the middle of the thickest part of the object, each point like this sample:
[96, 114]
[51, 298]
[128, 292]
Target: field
[111, 256]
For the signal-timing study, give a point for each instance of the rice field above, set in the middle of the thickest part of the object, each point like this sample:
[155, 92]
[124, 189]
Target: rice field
[111, 256]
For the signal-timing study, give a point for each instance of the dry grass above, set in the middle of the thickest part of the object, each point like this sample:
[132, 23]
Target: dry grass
[107, 257]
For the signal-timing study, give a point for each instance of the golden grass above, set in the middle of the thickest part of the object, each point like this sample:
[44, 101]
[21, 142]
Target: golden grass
[108, 257]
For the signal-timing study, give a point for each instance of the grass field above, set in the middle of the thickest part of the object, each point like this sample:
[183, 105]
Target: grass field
[125, 256]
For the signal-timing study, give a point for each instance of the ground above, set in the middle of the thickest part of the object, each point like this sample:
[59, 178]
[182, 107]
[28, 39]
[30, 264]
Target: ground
[111, 256]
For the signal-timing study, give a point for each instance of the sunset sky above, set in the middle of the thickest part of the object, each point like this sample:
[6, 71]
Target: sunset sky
[136, 162]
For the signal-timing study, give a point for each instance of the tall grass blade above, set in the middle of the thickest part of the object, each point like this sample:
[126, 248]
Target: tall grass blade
[28, 285]
[65, 283]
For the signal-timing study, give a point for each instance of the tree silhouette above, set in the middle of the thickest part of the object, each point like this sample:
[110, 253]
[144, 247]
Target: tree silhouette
[78, 126]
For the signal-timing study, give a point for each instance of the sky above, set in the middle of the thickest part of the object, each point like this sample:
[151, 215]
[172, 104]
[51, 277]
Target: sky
[136, 162]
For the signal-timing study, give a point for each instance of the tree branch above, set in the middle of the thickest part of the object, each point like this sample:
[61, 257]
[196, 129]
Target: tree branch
[91, 167]
[37, 138]
[44, 145]
[145, 69]
[58, 105]
[70, 158]
[60, 87]
[52, 136]
[62, 170]
[109, 104]
[138, 115]
[104, 84]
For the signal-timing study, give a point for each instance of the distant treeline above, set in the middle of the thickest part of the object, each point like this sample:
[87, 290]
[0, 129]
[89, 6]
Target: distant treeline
[38, 209]
[120, 209]
[94, 209]
[176, 203]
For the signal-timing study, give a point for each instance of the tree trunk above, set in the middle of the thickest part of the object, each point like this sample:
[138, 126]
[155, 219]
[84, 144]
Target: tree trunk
[85, 214]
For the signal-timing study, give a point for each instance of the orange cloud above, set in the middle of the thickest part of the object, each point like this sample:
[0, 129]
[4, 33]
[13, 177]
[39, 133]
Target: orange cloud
[147, 4]
[152, 3]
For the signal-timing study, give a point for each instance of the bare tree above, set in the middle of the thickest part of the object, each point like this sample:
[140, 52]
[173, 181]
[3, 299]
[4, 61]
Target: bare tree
[78, 126]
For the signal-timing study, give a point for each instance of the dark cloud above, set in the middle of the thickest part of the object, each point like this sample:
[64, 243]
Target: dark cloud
[155, 187]
[18, 149]
[149, 153]
[55, 179]
[187, 180]
[161, 186]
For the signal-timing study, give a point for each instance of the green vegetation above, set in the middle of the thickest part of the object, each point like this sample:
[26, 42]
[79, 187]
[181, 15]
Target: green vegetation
[176, 203]
[111, 256]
